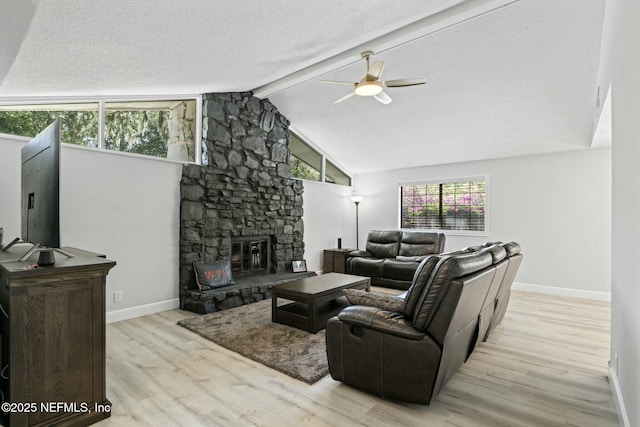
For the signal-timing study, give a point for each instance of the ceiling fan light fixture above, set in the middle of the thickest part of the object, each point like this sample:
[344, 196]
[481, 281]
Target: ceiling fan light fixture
[368, 88]
[371, 85]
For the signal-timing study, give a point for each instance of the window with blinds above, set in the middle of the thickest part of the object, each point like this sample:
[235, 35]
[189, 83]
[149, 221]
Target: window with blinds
[451, 205]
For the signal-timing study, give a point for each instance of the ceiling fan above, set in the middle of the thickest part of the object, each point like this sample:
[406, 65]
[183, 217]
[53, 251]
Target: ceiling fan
[371, 85]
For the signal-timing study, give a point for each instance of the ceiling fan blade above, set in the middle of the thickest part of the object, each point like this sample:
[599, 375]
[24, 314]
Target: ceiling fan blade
[375, 71]
[383, 97]
[404, 82]
[347, 96]
[337, 82]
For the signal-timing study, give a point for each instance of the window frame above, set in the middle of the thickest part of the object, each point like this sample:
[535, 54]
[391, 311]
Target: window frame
[480, 177]
[324, 161]
[338, 170]
[311, 148]
[102, 101]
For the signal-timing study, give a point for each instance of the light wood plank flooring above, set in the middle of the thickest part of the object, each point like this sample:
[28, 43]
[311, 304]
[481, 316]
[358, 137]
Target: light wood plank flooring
[545, 365]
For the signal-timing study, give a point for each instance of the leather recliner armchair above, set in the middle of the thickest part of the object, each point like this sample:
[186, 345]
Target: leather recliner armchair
[409, 355]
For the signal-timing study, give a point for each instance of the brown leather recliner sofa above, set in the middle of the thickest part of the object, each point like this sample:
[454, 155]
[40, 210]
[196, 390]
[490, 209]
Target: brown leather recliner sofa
[409, 352]
[392, 257]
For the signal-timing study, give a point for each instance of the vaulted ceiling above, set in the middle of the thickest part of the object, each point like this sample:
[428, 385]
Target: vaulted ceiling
[504, 77]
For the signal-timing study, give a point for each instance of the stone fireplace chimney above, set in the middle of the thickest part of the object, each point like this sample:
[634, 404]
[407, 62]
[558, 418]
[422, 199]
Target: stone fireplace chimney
[243, 189]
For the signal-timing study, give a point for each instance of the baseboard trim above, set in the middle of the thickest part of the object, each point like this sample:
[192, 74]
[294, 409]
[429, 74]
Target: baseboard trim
[565, 292]
[142, 310]
[623, 418]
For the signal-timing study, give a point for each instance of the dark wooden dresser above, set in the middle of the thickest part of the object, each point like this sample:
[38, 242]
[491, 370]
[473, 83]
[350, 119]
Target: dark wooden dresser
[53, 340]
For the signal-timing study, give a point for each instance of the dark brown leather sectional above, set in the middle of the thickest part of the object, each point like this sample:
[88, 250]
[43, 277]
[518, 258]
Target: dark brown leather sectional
[454, 302]
[392, 257]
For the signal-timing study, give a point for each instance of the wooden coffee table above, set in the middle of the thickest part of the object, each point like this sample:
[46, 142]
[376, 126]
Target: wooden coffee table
[315, 299]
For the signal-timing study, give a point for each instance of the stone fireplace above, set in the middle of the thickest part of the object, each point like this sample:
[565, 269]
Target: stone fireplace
[241, 205]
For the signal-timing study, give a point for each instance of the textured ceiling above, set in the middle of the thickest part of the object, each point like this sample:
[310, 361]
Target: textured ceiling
[510, 82]
[151, 46]
[504, 77]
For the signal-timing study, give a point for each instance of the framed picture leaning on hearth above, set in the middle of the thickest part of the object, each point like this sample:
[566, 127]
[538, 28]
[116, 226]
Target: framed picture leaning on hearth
[299, 266]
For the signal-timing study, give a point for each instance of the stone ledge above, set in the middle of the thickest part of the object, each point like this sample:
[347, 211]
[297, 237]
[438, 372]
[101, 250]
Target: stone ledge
[245, 291]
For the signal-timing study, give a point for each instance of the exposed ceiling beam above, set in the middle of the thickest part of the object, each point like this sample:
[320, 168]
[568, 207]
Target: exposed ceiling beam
[460, 13]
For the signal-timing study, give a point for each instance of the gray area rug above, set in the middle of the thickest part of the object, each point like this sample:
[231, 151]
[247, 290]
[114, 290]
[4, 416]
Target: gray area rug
[248, 330]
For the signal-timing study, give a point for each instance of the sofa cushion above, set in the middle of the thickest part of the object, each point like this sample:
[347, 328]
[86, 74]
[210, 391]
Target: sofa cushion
[383, 244]
[448, 268]
[512, 248]
[401, 285]
[370, 267]
[420, 278]
[212, 275]
[476, 248]
[360, 253]
[416, 258]
[498, 253]
[399, 270]
[419, 243]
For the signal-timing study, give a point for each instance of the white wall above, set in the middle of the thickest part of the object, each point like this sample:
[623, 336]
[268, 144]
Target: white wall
[125, 207]
[328, 214]
[557, 206]
[625, 279]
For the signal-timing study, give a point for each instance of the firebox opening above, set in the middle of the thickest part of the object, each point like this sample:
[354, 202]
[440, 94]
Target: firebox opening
[250, 256]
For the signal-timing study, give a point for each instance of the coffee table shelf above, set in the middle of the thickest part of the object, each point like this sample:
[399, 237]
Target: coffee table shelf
[296, 313]
[315, 299]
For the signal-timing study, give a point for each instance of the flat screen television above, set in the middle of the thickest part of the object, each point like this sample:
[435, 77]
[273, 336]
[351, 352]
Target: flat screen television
[40, 188]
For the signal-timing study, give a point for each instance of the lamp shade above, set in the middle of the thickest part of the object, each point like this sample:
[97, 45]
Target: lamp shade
[356, 199]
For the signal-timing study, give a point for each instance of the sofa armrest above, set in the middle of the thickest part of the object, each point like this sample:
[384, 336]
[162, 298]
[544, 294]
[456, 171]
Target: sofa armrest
[384, 321]
[360, 254]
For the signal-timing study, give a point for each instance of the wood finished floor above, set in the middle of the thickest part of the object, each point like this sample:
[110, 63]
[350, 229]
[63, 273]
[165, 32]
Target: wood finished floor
[545, 365]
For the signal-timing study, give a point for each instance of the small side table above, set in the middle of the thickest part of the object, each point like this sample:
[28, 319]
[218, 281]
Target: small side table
[335, 259]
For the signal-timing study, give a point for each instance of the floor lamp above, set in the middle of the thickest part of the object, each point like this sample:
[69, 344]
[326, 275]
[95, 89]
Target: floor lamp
[357, 200]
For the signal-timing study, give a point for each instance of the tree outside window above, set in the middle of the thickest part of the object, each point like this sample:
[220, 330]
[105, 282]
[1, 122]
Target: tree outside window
[79, 123]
